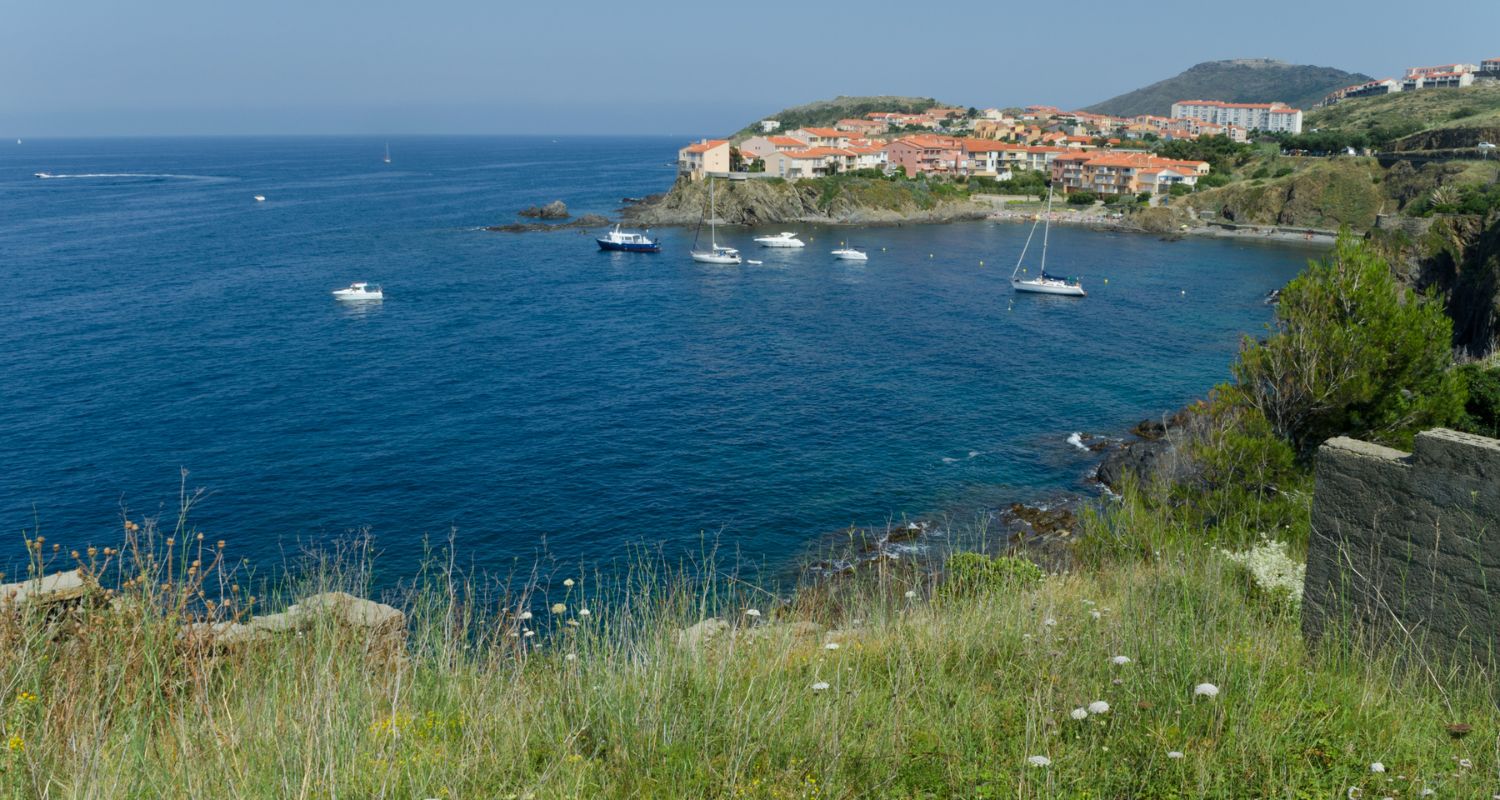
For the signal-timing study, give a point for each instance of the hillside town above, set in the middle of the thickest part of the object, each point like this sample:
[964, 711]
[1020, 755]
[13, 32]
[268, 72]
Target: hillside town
[1442, 76]
[1078, 151]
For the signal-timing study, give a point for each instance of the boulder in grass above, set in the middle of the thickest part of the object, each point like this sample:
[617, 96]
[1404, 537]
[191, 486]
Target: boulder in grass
[59, 587]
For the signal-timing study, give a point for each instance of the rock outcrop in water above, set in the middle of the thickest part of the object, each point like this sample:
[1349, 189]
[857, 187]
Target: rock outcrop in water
[841, 200]
[585, 221]
[556, 209]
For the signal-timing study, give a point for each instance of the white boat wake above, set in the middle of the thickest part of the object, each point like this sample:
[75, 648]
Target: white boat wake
[146, 175]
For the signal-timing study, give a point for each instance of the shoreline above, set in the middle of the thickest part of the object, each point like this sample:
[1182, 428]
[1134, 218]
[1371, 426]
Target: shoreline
[1216, 230]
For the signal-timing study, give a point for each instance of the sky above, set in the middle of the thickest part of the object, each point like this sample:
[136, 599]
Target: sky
[383, 67]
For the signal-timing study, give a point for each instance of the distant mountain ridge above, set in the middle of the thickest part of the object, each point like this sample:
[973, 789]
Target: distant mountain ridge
[1238, 80]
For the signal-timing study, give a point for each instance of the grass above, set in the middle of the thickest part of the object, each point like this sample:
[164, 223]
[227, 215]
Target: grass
[1410, 112]
[943, 692]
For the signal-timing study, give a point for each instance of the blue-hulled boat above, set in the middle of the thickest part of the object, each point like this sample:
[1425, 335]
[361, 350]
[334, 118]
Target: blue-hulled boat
[628, 241]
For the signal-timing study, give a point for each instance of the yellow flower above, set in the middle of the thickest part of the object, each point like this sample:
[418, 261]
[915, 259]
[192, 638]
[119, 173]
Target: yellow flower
[16, 743]
[25, 698]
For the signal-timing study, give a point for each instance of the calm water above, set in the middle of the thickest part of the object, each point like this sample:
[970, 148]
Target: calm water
[524, 389]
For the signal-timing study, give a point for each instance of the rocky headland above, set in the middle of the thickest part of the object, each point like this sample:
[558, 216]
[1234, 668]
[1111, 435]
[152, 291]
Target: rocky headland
[843, 200]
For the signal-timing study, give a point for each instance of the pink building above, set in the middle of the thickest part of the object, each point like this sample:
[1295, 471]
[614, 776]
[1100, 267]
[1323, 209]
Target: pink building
[926, 153]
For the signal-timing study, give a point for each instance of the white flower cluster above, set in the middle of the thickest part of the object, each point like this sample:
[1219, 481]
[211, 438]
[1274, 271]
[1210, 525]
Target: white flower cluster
[1274, 571]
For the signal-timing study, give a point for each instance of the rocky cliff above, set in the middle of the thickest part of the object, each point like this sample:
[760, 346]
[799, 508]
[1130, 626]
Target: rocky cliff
[1459, 257]
[829, 200]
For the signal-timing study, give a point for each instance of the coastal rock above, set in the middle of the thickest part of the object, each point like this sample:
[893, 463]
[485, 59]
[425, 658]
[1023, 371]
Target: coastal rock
[556, 209]
[696, 636]
[585, 221]
[1162, 452]
[852, 201]
[1046, 521]
[59, 587]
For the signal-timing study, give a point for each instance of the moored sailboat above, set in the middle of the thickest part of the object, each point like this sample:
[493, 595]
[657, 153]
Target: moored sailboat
[1044, 283]
[716, 253]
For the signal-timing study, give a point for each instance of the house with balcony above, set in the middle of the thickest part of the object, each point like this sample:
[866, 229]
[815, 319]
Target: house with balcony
[1113, 174]
[813, 162]
[821, 137]
[702, 157]
[1254, 116]
[988, 159]
[926, 154]
[762, 146]
[860, 127]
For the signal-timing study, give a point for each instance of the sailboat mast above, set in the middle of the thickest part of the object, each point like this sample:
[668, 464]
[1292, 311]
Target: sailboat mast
[1046, 229]
[713, 231]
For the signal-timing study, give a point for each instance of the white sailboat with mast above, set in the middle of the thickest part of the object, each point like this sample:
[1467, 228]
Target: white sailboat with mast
[1044, 283]
[715, 254]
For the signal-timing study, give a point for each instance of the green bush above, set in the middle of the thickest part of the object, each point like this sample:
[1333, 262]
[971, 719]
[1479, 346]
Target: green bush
[1212, 181]
[1482, 409]
[1352, 353]
[976, 573]
[1180, 189]
[1082, 198]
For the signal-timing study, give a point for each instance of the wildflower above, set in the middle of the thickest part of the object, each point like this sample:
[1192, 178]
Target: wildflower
[820, 686]
[1088, 602]
[1174, 754]
[25, 698]
[752, 612]
[583, 612]
[1039, 761]
[530, 634]
[572, 623]
[831, 646]
[1096, 615]
[1465, 763]
[568, 583]
[1120, 661]
[1079, 714]
[1098, 707]
[559, 608]
[1117, 682]
[1354, 793]
[571, 657]
[525, 615]
[1049, 622]
[911, 594]
[1206, 690]
[1272, 570]
[1377, 767]
[1428, 792]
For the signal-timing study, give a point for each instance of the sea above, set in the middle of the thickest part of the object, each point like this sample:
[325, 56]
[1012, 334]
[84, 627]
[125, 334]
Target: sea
[526, 397]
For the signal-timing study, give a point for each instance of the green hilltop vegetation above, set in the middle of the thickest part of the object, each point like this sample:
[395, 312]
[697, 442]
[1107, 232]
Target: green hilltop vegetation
[824, 113]
[1400, 120]
[1240, 80]
[1166, 662]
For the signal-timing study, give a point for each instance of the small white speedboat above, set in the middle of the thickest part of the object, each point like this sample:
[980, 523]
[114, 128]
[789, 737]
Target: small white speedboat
[850, 254]
[359, 291]
[783, 239]
[717, 255]
[43, 174]
[260, 198]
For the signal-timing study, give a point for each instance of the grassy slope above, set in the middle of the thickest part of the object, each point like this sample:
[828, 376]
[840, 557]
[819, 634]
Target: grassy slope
[1238, 81]
[927, 698]
[1318, 193]
[1473, 106]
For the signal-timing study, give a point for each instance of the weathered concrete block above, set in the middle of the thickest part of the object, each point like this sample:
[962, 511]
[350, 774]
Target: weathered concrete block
[1407, 546]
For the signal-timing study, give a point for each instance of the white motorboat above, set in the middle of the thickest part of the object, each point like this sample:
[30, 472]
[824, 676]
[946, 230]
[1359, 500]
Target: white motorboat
[1044, 283]
[783, 239]
[359, 291]
[716, 253]
[628, 242]
[387, 152]
[850, 254]
[260, 198]
[43, 174]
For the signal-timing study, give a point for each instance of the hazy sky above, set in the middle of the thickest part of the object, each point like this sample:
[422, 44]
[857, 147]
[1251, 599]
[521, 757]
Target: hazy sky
[101, 67]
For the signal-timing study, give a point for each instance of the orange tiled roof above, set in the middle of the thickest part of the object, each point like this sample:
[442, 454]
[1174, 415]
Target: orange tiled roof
[827, 133]
[817, 152]
[705, 146]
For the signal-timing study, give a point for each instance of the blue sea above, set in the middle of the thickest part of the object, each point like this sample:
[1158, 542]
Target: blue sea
[526, 393]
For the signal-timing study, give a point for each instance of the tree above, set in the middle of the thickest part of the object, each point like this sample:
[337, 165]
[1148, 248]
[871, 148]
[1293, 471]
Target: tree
[1352, 353]
[1082, 198]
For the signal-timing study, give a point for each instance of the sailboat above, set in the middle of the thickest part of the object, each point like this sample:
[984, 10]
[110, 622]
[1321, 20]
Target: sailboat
[715, 254]
[387, 152]
[1044, 283]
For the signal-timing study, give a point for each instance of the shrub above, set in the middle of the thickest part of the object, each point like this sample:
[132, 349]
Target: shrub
[1482, 409]
[1212, 181]
[1082, 198]
[1352, 352]
[1180, 189]
[976, 573]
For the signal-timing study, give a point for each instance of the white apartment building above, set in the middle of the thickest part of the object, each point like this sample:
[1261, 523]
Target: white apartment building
[1254, 116]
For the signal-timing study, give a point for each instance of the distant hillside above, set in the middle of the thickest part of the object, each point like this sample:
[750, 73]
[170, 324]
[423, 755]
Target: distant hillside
[827, 112]
[1428, 119]
[1240, 80]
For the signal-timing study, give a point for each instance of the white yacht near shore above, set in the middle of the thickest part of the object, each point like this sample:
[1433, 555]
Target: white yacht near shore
[1044, 283]
[783, 239]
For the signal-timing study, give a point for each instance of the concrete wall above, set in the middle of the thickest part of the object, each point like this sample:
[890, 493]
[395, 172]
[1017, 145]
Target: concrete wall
[1406, 547]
